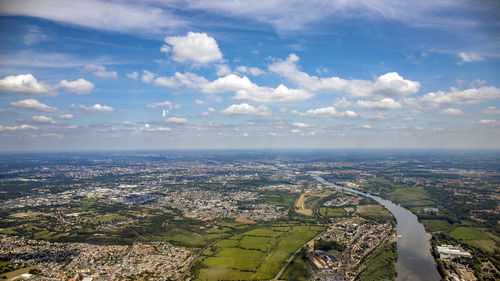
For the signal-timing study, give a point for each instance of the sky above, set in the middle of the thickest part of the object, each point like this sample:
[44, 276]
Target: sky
[199, 74]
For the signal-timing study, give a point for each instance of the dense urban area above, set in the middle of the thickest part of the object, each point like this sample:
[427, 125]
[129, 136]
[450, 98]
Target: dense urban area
[243, 215]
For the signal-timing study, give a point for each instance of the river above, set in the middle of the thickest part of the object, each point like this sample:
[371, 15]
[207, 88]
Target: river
[415, 262]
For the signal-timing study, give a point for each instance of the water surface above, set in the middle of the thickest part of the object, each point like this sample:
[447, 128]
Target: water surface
[415, 262]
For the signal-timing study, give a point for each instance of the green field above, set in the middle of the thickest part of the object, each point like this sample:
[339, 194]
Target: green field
[468, 233]
[380, 264]
[235, 258]
[436, 225]
[256, 254]
[411, 196]
[254, 242]
[332, 212]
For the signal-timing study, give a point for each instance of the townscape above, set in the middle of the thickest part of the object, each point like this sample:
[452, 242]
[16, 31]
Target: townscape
[172, 216]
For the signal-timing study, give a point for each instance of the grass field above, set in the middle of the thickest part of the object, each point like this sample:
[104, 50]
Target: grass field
[411, 196]
[468, 233]
[373, 210]
[235, 258]
[256, 254]
[380, 264]
[298, 270]
[437, 225]
[475, 237]
[294, 239]
[255, 242]
[332, 212]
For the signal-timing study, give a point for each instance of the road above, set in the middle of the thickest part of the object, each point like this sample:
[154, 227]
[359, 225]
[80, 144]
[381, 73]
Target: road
[293, 256]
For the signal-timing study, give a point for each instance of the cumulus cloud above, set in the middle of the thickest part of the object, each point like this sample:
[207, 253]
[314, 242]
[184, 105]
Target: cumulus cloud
[245, 90]
[491, 110]
[254, 71]
[17, 128]
[198, 48]
[197, 101]
[366, 126]
[246, 109]
[301, 125]
[79, 86]
[186, 79]
[22, 84]
[158, 129]
[326, 112]
[65, 117]
[96, 108]
[134, 75]
[451, 111]
[147, 76]
[176, 120]
[41, 119]
[33, 104]
[167, 104]
[385, 103]
[489, 122]
[389, 85]
[455, 97]
[209, 111]
[470, 57]
[223, 69]
[100, 71]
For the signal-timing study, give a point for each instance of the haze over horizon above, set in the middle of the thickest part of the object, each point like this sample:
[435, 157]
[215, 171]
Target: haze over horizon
[100, 75]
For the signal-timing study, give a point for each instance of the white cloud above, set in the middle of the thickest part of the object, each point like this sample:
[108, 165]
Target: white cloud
[342, 103]
[96, 108]
[223, 69]
[147, 76]
[326, 112]
[176, 120]
[456, 97]
[41, 119]
[388, 85]
[295, 131]
[65, 117]
[128, 124]
[385, 103]
[245, 90]
[33, 35]
[100, 71]
[22, 84]
[197, 101]
[470, 57]
[209, 111]
[451, 111]
[17, 128]
[255, 71]
[366, 126]
[301, 125]
[246, 109]
[186, 79]
[79, 86]
[167, 104]
[198, 48]
[134, 75]
[34, 105]
[158, 129]
[491, 110]
[97, 14]
[488, 122]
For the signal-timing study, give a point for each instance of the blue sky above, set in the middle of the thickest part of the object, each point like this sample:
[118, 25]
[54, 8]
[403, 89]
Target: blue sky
[80, 75]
